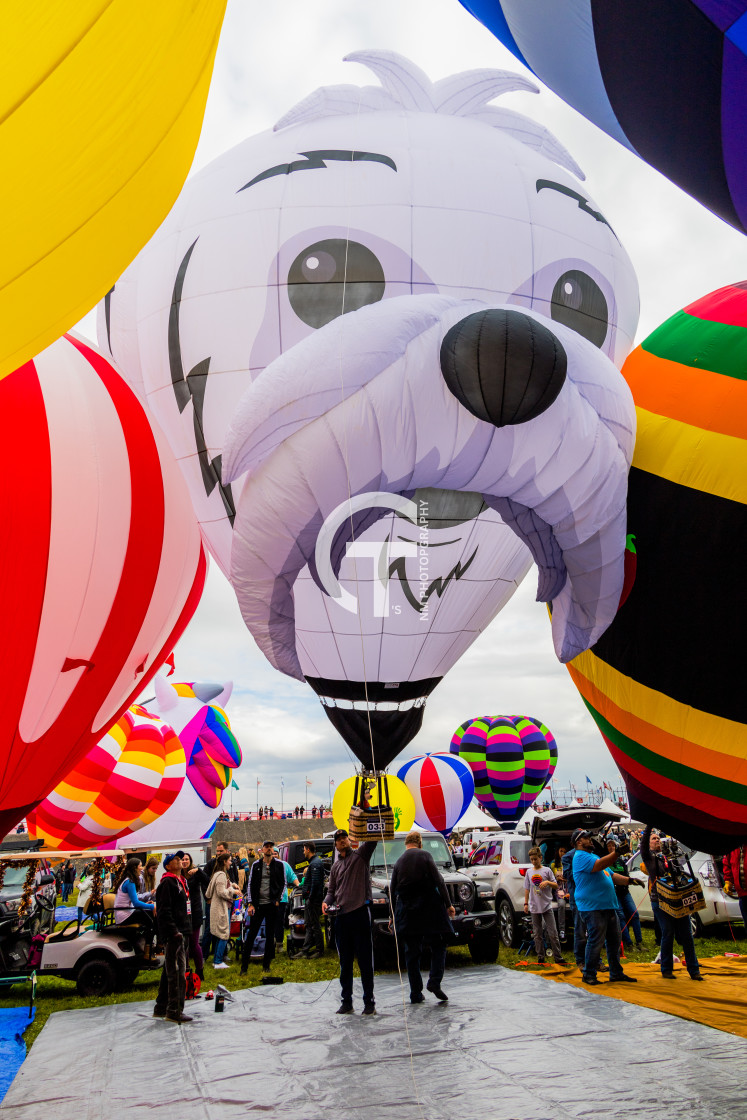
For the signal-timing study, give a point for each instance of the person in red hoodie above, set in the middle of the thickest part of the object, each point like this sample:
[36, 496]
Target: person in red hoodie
[735, 873]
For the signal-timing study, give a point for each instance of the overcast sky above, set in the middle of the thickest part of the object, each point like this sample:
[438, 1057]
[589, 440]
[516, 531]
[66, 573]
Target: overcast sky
[269, 58]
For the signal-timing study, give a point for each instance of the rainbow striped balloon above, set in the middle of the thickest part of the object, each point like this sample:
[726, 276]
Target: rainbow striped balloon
[512, 759]
[442, 787]
[666, 682]
[127, 780]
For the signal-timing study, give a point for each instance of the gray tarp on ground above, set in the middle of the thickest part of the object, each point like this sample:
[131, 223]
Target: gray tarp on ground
[506, 1046]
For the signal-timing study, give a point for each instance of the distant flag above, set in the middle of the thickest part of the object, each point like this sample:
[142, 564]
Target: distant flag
[170, 662]
[331, 781]
[258, 782]
[233, 784]
[308, 783]
[282, 784]
[588, 779]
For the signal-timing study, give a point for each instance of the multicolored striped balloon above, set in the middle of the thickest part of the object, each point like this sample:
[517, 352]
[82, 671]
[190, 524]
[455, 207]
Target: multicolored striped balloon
[512, 758]
[102, 564]
[127, 780]
[666, 682]
[442, 788]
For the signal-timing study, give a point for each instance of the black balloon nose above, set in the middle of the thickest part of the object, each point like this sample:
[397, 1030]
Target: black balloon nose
[503, 366]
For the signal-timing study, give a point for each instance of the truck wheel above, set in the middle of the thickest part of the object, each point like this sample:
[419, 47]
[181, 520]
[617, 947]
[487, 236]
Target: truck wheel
[484, 950]
[96, 977]
[507, 924]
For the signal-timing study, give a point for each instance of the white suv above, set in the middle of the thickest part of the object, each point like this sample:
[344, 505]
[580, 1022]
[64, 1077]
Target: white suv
[501, 863]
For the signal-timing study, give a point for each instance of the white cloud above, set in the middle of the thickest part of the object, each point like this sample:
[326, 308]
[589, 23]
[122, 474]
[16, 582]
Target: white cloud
[271, 56]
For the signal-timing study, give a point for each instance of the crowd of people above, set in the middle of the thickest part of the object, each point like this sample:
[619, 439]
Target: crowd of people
[268, 813]
[193, 908]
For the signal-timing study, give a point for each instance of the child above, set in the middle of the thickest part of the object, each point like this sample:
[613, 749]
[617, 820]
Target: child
[538, 888]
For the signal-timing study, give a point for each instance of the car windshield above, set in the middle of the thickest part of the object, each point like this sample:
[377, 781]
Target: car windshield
[436, 845]
[14, 877]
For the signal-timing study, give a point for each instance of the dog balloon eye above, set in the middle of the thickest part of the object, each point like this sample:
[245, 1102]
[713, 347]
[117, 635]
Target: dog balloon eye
[333, 277]
[578, 302]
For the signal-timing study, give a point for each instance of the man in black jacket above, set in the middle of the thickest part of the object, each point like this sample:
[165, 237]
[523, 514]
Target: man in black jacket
[173, 914]
[422, 909]
[266, 883]
[312, 889]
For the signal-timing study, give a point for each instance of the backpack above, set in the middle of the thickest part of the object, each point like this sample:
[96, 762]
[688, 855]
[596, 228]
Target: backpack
[193, 983]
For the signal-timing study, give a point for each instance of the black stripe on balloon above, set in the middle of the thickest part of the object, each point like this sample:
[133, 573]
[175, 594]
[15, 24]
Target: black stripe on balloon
[192, 388]
[681, 630]
[661, 63]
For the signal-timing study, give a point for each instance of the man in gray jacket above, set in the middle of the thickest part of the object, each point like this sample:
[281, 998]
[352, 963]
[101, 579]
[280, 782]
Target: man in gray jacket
[349, 897]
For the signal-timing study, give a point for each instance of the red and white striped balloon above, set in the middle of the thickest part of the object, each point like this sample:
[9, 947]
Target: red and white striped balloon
[102, 563]
[442, 787]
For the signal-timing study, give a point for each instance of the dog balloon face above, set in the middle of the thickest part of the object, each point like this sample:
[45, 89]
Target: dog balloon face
[400, 299]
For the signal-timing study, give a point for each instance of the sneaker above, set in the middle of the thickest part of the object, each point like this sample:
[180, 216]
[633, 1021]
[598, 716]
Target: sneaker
[698, 976]
[623, 978]
[345, 1008]
[668, 976]
[591, 980]
[265, 968]
[603, 968]
[302, 956]
[417, 997]
[540, 960]
[221, 965]
[436, 990]
[177, 1017]
[369, 1009]
[560, 960]
[159, 1012]
[639, 946]
[314, 954]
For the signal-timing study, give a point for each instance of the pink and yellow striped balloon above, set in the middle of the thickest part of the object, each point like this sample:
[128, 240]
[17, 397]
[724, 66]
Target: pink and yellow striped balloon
[127, 780]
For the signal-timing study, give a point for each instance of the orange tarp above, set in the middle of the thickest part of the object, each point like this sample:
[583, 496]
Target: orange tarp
[720, 1001]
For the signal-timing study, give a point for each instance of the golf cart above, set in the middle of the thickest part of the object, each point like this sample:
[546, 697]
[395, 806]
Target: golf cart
[99, 958]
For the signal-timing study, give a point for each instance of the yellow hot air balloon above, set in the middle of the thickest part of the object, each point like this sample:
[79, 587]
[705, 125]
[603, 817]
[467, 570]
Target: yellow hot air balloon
[101, 105]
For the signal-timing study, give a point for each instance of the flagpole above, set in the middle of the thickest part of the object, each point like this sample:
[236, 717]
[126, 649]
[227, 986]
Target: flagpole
[281, 793]
[306, 779]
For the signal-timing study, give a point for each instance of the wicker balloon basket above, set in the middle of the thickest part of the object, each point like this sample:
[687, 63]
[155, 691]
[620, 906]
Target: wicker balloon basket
[367, 822]
[681, 900]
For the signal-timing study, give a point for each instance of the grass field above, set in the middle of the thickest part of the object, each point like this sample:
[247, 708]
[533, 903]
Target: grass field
[54, 994]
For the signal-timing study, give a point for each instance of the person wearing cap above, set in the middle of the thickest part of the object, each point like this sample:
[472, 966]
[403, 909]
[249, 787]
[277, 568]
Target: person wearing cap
[266, 884]
[595, 898]
[173, 914]
[349, 892]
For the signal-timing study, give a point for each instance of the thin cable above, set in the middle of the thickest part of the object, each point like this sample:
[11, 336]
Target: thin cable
[360, 621]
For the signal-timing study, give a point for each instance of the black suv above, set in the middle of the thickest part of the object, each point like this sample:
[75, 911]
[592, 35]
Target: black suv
[292, 852]
[475, 922]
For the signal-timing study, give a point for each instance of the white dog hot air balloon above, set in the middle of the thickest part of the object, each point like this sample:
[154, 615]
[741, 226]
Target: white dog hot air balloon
[383, 339]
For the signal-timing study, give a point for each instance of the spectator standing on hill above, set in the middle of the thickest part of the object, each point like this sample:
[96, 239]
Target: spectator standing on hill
[174, 927]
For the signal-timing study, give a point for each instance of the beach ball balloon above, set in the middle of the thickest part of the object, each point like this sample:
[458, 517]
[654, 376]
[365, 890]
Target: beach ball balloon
[400, 801]
[442, 787]
[127, 780]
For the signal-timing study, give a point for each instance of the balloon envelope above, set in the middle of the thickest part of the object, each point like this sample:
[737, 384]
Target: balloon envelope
[510, 757]
[128, 779]
[442, 788]
[101, 105]
[665, 685]
[103, 564]
[403, 394]
[668, 80]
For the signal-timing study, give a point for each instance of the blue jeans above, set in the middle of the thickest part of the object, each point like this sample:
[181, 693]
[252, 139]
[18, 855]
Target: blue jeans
[67, 890]
[220, 950]
[579, 937]
[208, 941]
[629, 919]
[681, 928]
[602, 928]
